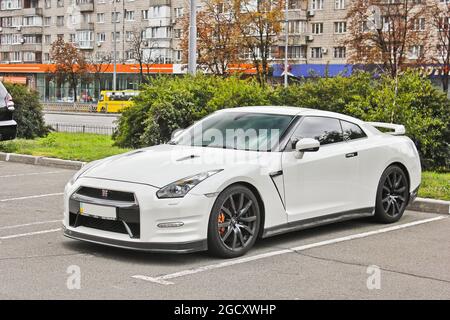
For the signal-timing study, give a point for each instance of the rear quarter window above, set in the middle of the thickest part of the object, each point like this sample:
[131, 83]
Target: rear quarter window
[352, 131]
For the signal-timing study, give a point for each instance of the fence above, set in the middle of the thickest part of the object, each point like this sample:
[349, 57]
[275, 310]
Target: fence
[69, 107]
[82, 128]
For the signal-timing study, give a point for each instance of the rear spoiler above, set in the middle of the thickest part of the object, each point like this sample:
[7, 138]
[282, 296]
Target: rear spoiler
[398, 128]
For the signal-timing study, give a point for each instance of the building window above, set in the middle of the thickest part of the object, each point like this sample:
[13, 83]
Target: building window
[100, 17]
[317, 28]
[60, 3]
[339, 4]
[115, 37]
[115, 16]
[317, 5]
[415, 52]
[419, 24]
[48, 4]
[129, 15]
[47, 21]
[144, 14]
[340, 27]
[178, 12]
[297, 26]
[178, 55]
[47, 39]
[339, 52]
[297, 52]
[60, 21]
[316, 52]
[101, 37]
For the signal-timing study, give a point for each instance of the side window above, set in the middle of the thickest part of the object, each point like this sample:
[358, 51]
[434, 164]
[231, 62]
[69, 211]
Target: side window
[325, 130]
[352, 131]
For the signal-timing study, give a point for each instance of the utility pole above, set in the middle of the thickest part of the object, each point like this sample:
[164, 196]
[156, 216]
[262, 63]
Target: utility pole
[115, 48]
[286, 26]
[192, 58]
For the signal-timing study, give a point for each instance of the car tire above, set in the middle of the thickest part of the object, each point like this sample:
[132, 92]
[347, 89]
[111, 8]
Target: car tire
[392, 195]
[234, 222]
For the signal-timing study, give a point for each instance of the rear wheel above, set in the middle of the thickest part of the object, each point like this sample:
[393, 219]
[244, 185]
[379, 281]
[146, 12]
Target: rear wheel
[234, 222]
[392, 195]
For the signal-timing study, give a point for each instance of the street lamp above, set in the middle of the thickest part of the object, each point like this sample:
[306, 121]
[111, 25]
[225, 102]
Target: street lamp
[286, 26]
[115, 47]
[192, 57]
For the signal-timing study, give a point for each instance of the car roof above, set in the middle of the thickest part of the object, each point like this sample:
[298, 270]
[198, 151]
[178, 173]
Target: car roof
[294, 111]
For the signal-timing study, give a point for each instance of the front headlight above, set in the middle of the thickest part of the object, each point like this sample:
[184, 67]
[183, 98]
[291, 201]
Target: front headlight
[83, 169]
[180, 188]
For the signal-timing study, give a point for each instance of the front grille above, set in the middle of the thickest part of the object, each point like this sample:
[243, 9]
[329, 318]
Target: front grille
[117, 226]
[5, 114]
[106, 194]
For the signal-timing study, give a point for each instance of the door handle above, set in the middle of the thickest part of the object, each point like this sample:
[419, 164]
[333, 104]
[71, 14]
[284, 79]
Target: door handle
[351, 155]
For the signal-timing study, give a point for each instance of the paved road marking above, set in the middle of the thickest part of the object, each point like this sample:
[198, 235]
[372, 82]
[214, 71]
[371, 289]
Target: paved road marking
[20, 235]
[30, 174]
[33, 197]
[163, 279]
[29, 224]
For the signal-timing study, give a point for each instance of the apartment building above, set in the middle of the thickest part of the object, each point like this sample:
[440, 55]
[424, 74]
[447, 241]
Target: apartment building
[28, 28]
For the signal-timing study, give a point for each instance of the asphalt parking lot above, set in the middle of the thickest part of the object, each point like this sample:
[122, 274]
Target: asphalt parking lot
[351, 260]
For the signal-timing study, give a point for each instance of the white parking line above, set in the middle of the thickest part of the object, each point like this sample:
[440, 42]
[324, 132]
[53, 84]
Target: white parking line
[20, 235]
[33, 197]
[29, 224]
[163, 279]
[30, 174]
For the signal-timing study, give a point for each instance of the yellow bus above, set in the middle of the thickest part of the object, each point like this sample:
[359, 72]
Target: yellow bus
[115, 101]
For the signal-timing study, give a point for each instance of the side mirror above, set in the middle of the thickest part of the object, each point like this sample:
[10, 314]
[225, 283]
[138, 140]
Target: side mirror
[306, 145]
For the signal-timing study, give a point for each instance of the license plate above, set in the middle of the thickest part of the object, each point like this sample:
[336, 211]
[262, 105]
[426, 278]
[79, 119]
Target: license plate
[98, 211]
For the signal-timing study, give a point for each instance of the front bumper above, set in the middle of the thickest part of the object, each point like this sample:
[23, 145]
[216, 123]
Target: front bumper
[178, 247]
[147, 219]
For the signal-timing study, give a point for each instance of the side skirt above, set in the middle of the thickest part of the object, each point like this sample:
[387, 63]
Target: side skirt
[319, 221]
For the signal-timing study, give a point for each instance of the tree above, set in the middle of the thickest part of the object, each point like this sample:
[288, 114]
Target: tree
[439, 19]
[28, 113]
[69, 63]
[98, 66]
[390, 34]
[259, 22]
[218, 36]
[141, 50]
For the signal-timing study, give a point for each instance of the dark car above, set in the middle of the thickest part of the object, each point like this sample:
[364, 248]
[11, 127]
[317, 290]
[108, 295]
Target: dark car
[8, 127]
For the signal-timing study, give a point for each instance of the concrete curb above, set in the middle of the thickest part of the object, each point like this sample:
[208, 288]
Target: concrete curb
[95, 114]
[41, 161]
[430, 205]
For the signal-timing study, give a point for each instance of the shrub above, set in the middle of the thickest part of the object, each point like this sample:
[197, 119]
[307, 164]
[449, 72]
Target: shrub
[28, 113]
[167, 104]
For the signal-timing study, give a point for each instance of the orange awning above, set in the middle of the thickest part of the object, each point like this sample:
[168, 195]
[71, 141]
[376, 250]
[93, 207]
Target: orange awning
[18, 80]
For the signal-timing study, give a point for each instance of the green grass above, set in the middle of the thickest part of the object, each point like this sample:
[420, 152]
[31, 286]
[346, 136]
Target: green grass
[435, 185]
[88, 147]
[72, 146]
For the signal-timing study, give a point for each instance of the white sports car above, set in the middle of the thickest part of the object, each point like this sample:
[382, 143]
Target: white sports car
[242, 174]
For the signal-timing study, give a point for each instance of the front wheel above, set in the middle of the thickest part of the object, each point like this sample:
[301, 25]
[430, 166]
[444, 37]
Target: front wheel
[392, 195]
[234, 222]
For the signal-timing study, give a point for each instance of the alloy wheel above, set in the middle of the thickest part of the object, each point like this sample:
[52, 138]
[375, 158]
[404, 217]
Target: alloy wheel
[237, 221]
[394, 194]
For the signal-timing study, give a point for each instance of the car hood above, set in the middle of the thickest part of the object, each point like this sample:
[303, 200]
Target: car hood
[163, 164]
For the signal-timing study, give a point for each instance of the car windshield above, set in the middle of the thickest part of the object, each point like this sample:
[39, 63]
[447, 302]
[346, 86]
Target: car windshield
[236, 130]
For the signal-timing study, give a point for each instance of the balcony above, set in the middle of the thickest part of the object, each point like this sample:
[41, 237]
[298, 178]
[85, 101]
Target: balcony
[32, 12]
[85, 26]
[297, 14]
[86, 7]
[160, 22]
[31, 29]
[34, 47]
[293, 40]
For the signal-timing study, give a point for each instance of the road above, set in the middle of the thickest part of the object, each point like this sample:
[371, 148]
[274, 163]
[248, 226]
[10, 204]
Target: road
[406, 260]
[80, 119]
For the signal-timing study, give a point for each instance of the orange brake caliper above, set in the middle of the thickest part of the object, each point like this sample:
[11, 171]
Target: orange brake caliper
[221, 219]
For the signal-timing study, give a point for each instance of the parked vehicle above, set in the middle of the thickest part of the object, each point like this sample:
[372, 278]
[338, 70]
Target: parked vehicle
[295, 168]
[115, 101]
[8, 127]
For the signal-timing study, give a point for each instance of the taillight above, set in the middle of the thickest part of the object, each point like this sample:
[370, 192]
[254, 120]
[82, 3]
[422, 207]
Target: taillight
[8, 102]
